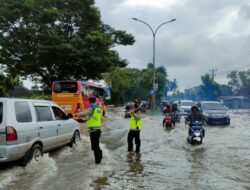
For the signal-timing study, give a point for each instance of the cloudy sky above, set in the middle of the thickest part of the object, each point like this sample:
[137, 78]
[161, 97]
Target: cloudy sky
[207, 34]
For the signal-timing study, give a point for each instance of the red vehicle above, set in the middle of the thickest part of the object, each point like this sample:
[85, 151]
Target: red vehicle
[72, 96]
[168, 121]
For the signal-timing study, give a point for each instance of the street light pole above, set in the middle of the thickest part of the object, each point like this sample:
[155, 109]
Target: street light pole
[153, 105]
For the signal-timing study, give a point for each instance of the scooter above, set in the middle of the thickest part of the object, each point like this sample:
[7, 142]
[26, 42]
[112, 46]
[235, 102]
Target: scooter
[167, 121]
[177, 116]
[196, 133]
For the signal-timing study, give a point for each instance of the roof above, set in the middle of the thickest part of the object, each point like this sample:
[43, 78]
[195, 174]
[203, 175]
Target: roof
[232, 97]
[31, 100]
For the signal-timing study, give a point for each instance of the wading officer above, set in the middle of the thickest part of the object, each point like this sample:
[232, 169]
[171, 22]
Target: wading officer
[135, 126]
[93, 124]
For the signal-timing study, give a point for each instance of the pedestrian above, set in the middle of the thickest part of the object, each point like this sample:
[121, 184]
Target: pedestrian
[135, 126]
[94, 122]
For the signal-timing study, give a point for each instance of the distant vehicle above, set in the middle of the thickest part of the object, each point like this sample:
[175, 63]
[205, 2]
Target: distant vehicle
[28, 128]
[73, 96]
[185, 106]
[214, 112]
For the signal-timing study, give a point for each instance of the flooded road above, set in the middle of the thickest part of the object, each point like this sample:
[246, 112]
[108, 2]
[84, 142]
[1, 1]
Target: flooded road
[166, 161]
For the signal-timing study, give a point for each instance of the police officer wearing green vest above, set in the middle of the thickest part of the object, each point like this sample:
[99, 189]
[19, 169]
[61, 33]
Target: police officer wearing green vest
[135, 126]
[93, 124]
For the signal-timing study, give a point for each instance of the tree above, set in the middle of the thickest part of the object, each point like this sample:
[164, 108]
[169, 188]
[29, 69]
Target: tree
[160, 79]
[127, 84]
[240, 82]
[118, 81]
[234, 81]
[209, 89]
[7, 83]
[57, 39]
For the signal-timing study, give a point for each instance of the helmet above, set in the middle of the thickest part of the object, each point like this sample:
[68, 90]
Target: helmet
[194, 107]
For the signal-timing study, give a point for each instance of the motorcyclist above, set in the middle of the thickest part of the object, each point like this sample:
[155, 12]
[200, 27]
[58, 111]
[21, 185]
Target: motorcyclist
[168, 111]
[195, 115]
[176, 112]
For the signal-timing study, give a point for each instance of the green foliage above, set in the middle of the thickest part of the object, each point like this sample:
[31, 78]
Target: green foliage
[129, 83]
[6, 83]
[57, 40]
[209, 89]
[240, 82]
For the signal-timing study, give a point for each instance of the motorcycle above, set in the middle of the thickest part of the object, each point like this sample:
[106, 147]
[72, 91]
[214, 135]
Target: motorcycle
[196, 133]
[168, 121]
[177, 116]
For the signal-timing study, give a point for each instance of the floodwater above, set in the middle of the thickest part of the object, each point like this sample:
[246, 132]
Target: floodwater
[166, 161]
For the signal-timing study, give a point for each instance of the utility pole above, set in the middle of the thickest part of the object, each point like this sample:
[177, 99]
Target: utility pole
[155, 86]
[213, 73]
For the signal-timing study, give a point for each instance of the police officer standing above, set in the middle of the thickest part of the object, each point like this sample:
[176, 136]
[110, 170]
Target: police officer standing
[135, 126]
[94, 122]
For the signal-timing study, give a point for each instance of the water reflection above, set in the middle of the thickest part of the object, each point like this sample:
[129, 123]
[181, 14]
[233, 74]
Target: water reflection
[196, 157]
[134, 163]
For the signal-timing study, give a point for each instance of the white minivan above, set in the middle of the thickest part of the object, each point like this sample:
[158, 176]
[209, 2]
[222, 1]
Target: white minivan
[28, 128]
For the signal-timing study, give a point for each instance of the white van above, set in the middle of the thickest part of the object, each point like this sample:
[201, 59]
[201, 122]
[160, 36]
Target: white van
[28, 128]
[185, 106]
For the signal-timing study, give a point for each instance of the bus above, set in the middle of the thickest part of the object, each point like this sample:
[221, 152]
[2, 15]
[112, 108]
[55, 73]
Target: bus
[72, 96]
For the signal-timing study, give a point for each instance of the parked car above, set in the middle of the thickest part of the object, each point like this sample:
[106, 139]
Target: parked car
[185, 106]
[28, 128]
[214, 112]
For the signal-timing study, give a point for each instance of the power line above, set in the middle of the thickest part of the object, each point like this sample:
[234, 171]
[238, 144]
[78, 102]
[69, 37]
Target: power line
[239, 68]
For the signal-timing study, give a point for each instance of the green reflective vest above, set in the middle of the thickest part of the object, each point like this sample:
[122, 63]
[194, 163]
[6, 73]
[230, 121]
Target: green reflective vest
[94, 121]
[135, 124]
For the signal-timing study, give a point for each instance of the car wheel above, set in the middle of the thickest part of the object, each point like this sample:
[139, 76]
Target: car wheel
[35, 154]
[75, 139]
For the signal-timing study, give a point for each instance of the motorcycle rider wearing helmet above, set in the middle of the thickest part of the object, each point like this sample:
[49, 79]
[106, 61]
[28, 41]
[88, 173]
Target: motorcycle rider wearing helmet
[169, 111]
[195, 115]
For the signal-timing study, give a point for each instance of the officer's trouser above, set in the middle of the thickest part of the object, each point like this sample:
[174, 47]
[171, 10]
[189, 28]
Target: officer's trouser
[134, 134]
[94, 138]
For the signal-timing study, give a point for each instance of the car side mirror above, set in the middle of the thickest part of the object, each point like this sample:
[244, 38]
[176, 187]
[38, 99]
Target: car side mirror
[69, 116]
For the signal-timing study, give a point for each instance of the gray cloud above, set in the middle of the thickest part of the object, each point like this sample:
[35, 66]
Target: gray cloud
[207, 34]
[244, 12]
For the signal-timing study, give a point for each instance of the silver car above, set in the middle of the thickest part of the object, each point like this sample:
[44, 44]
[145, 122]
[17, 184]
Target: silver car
[28, 128]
